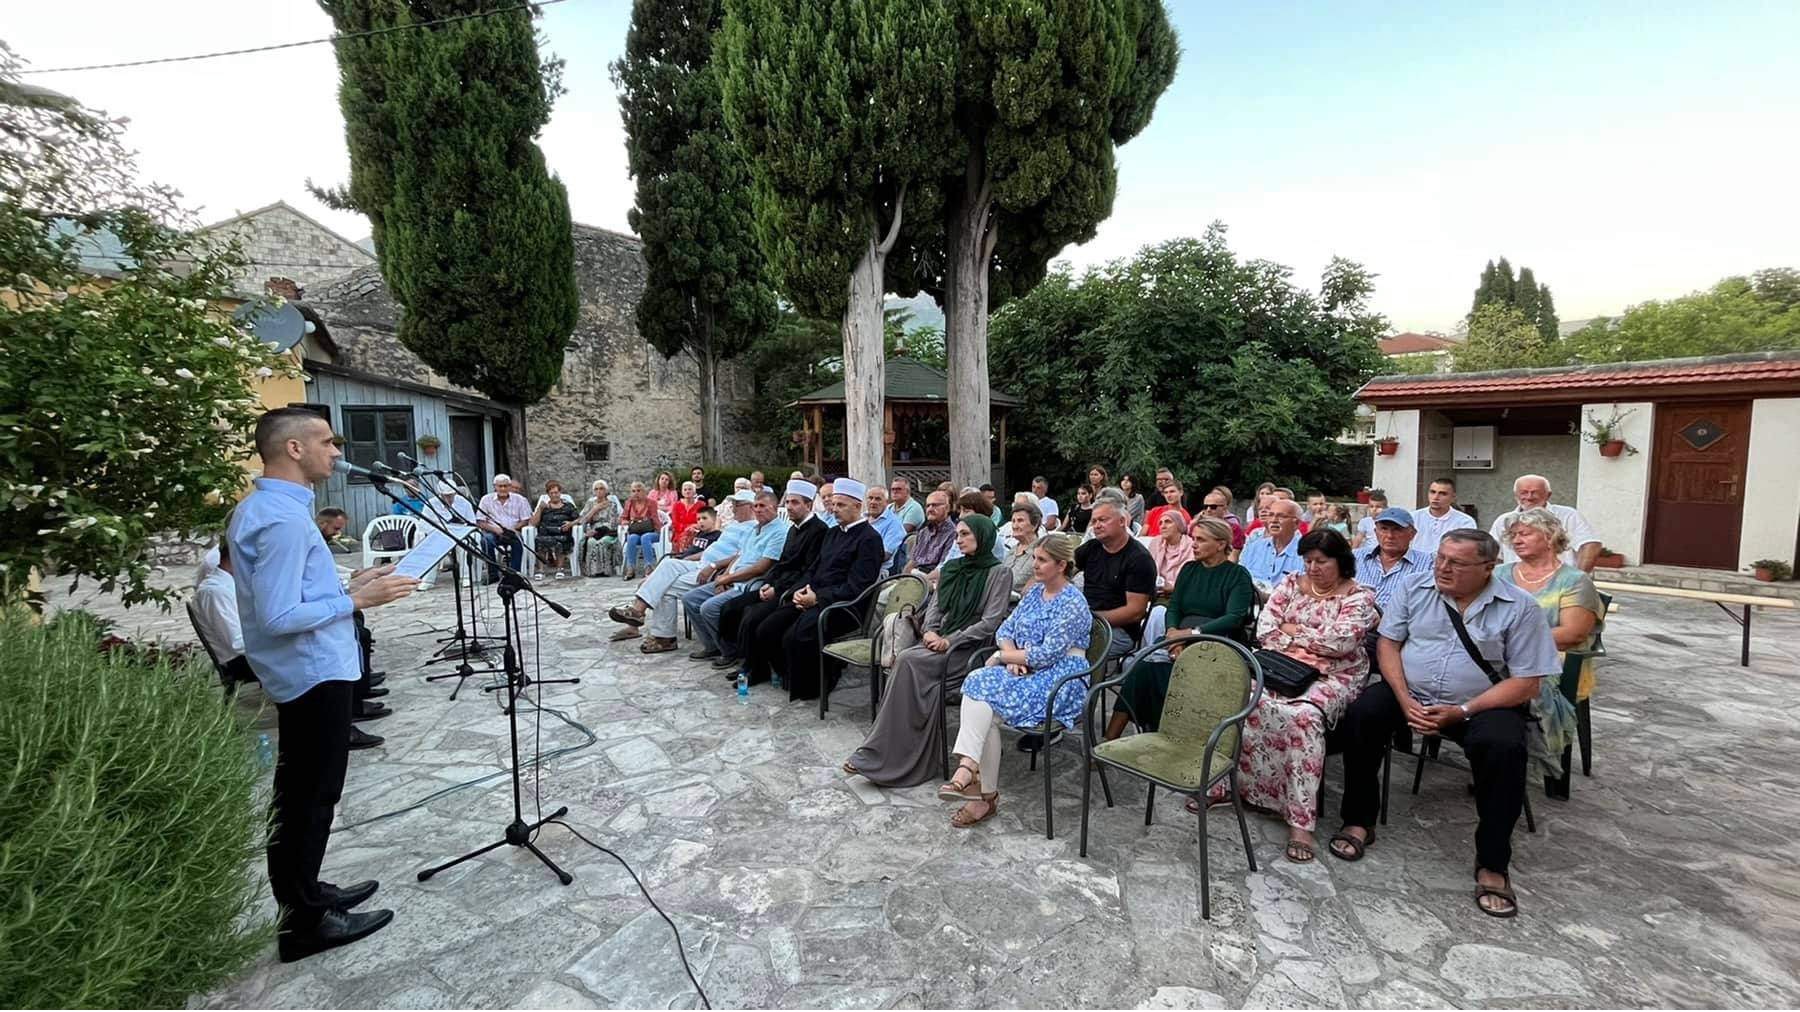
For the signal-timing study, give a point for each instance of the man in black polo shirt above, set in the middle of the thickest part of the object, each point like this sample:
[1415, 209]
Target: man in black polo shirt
[1117, 575]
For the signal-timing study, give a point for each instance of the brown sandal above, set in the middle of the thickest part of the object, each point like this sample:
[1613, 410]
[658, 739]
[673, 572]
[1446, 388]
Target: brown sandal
[958, 789]
[963, 820]
[1300, 852]
[656, 645]
[1503, 891]
[1353, 848]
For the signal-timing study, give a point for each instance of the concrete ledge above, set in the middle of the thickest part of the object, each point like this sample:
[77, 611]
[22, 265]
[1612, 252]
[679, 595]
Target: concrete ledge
[1712, 581]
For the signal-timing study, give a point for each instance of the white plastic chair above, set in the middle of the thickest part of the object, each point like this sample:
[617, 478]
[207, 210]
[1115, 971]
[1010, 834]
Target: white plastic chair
[579, 533]
[387, 522]
[528, 565]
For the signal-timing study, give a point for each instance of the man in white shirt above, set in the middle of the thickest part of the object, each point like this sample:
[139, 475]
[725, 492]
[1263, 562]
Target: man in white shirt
[216, 614]
[1047, 508]
[1439, 517]
[1532, 491]
[503, 513]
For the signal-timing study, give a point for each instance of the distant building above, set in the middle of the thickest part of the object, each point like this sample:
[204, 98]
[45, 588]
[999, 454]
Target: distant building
[279, 241]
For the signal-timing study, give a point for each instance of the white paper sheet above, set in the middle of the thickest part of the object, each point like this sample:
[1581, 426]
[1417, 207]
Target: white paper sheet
[425, 556]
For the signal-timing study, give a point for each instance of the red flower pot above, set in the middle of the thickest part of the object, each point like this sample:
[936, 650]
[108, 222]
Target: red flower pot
[1387, 447]
[1363, 497]
[1612, 448]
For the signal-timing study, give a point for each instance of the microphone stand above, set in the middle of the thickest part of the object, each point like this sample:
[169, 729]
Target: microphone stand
[518, 832]
[461, 644]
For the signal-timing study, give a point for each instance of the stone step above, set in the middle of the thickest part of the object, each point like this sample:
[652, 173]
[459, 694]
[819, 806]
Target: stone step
[1715, 581]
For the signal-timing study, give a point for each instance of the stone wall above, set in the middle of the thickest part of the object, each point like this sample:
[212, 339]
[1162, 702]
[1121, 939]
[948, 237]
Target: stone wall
[281, 242]
[615, 389]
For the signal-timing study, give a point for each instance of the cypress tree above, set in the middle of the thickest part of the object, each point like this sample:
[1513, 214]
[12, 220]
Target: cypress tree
[1484, 291]
[1044, 93]
[1525, 296]
[1547, 323]
[706, 290]
[844, 109]
[472, 229]
[1504, 283]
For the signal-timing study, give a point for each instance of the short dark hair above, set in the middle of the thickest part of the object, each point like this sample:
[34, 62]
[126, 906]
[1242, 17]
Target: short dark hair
[224, 550]
[768, 493]
[987, 486]
[1485, 546]
[973, 502]
[1334, 546]
[707, 511]
[278, 426]
[330, 512]
[1444, 481]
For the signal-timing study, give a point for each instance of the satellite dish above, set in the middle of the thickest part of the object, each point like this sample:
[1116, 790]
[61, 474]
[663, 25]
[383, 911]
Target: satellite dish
[282, 326]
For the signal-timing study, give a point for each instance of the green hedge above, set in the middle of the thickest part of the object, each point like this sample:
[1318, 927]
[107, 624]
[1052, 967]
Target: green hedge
[719, 477]
[128, 824]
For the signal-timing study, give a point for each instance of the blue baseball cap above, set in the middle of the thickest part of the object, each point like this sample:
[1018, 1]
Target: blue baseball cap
[1395, 515]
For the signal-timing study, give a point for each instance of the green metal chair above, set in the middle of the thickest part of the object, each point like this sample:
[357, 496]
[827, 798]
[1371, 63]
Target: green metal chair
[1214, 685]
[1570, 684]
[896, 595]
[1050, 730]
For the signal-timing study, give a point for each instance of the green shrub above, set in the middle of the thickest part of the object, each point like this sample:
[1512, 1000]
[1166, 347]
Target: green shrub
[720, 477]
[128, 819]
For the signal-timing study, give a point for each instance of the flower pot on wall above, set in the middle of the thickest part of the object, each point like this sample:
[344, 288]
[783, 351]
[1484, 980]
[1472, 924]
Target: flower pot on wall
[1765, 574]
[1387, 447]
[1363, 497]
[1612, 448]
[428, 445]
[1610, 562]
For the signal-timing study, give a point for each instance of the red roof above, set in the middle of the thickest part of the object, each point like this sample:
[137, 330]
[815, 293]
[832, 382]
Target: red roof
[1408, 343]
[1768, 373]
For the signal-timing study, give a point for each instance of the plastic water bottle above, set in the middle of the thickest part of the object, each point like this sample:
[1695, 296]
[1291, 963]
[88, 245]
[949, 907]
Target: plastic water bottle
[265, 752]
[775, 679]
[743, 685]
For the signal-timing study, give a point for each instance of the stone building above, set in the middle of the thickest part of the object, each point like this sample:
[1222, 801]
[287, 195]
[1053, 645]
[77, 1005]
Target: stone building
[279, 241]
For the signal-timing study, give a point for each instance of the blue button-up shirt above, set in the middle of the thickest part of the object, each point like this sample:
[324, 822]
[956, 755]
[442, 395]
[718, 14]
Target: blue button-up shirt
[1413, 565]
[892, 532]
[1266, 565]
[913, 513]
[766, 543]
[1504, 621]
[294, 611]
[731, 542]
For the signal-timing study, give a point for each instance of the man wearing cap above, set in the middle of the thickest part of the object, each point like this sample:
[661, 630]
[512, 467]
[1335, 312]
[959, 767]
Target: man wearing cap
[1388, 564]
[762, 548]
[673, 577]
[788, 641]
[740, 617]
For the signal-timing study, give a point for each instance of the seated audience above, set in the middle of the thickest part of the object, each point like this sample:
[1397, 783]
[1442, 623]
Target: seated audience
[1571, 606]
[1081, 511]
[600, 523]
[1170, 549]
[1044, 639]
[703, 533]
[503, 513]
[684, 513]
[936, 535]
[1134, 502]
[886, 524]
[1315, 513]
[1020, 538]
[643, 521]
[1171, 495]
[665, 494]
[450, 507]
[1532, 491]
[994, 512]
[555, 523]
[1254, 513]
[1118, 576]
[1388, 563]
[1213, 597]
[905, 506]
[1047, 507]
[741, 616]
[331, 522]
[1365, 527]
[762, 547]
[1434, 685]
[675, 575]
[972, 598]
[216, 611]
[1271, 557]
[1318, 617]
[1216, 504]
[1440, 515]
[1096, 480]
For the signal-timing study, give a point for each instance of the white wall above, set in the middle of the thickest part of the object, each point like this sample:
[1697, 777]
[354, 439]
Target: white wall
[1398, 474]
[1771, 481]
[1613, 493]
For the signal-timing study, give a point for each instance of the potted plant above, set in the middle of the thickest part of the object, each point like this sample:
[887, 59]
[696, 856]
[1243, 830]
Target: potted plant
[1387, 446]
[1606, 434]
[1609, 559]
[1770, 570]
[428, 444]
[1362, 496]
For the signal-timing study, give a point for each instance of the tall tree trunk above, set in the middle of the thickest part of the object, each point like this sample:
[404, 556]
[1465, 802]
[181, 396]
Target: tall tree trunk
[865, 363]
[710, 426]
[971, 243]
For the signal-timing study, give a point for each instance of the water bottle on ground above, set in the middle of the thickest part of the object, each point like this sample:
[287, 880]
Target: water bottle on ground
[775, 679]
[265, 752]
[743, 685]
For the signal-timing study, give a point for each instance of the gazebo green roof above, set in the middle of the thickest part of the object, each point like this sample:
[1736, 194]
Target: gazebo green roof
[908, 379]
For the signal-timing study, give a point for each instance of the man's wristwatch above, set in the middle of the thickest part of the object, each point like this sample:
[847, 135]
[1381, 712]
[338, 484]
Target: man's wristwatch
[1464, 707]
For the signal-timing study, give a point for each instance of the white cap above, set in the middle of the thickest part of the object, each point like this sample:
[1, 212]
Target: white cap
[850, 487]
[802, 488]
[742, 495]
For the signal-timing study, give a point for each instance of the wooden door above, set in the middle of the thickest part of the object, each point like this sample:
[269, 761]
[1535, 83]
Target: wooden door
[1697, 484]
[467, 454]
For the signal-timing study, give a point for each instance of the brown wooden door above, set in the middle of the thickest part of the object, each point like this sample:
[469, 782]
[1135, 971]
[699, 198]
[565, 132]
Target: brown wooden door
[1697, 484]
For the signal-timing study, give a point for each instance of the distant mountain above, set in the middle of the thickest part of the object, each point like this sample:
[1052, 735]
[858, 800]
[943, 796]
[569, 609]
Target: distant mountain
[924, 310]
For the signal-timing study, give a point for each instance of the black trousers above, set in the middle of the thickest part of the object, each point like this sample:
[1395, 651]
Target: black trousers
[1494, 741]
[365, 643]
[732, 618]
[801, 646]
[309, 778]
[762, 637]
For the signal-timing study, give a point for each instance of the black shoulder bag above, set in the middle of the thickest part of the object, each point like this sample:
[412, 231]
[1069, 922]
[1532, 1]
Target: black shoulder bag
[1462, 633]
[1283, 675]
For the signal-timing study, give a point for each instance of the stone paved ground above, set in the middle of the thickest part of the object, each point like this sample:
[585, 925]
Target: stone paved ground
[1668, 880]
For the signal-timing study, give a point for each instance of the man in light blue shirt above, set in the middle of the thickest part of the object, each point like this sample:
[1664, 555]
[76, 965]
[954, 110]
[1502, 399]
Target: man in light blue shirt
[1271, 558]
[660, 592]
[1390, 560]
[706, 601]
[1462, 656]
[905, 507]
[300, 640]
[886, 524]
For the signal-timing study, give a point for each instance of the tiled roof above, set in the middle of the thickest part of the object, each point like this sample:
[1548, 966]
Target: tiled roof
[1409, 343]
[1767, 372]
[907, 379]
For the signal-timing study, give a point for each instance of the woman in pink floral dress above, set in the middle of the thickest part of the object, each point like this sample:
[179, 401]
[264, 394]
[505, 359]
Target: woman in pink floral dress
[1320, 617]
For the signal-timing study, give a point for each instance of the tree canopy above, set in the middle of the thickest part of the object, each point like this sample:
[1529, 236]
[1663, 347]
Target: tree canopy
[1760, 312]
[705, 292]
[1188, 356]
[472, 230]
[1503, 337]
[1523, 292]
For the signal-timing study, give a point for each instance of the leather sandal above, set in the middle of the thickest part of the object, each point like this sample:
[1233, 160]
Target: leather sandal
[963, 820]
[1503, 891]
[959, 789]
[1353, 848]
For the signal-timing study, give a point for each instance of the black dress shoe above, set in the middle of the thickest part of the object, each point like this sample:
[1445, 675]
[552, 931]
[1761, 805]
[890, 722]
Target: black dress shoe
[334, 929]
[370, 711]
[723, 661]
[348, 896]
[375, 693]
[703, 654]
[360, 739]
[377, 678]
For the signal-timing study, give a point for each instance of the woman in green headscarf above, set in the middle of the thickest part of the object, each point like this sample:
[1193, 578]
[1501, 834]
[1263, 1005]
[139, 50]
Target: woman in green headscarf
[974, 592]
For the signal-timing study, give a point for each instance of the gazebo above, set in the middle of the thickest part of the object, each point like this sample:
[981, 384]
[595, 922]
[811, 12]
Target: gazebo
[914, 426]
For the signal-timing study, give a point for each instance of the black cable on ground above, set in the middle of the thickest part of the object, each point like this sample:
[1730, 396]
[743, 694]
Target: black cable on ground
[680, 950]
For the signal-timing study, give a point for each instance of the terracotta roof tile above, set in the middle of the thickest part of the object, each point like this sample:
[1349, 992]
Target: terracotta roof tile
[1778, 368]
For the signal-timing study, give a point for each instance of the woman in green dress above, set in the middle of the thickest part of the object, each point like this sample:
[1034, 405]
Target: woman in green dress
[1213, 597]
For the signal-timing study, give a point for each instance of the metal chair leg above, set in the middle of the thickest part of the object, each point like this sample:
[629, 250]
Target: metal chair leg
[1584, 732]
[1150, 804]
[1049, 810]
[1530, 823]
[1205, 871]
[1087, 801]
[1106, 787]
[1387, 767]
[1243, 827]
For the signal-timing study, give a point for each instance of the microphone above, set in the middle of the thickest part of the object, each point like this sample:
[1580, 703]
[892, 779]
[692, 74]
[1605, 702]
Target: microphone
[408, 462]
[343, 466]
[413, 466]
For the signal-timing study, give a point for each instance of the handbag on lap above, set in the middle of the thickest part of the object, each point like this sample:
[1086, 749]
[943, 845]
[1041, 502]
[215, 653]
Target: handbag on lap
[1283, 675]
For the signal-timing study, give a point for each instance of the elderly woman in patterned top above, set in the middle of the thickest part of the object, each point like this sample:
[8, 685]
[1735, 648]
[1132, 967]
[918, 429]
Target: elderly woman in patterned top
[1044, 640]
[1318, 616]
[600, 524]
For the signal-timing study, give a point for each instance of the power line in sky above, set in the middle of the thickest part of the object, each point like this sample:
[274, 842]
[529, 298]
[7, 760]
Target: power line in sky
[293, 45]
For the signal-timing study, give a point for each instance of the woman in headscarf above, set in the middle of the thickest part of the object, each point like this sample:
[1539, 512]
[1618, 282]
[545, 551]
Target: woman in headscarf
[906, 746]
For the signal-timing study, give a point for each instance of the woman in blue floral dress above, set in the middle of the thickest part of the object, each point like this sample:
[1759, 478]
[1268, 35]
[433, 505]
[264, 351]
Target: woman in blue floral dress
[1044, 640]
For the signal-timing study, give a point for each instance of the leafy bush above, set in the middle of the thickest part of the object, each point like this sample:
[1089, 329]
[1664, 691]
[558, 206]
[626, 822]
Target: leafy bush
[720, 477]
[127, 816]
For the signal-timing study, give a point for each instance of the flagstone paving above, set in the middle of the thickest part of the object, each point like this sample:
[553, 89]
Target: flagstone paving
[1667, 880]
